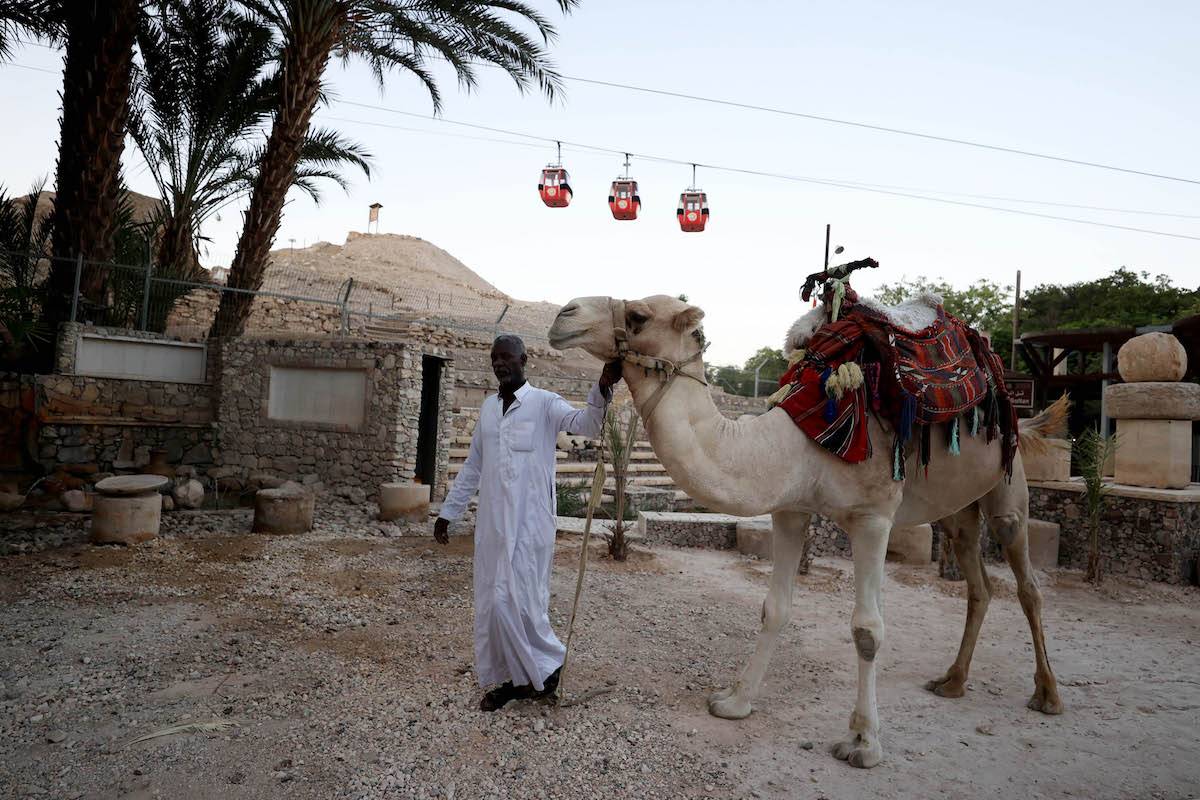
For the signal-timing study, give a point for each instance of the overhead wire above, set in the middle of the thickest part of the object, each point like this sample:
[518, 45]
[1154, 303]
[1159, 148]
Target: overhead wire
[849, 185]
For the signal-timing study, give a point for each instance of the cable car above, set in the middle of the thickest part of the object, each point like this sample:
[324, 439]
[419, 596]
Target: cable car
[693, 208]
[692, 211]
[555, 185]
[623, 198]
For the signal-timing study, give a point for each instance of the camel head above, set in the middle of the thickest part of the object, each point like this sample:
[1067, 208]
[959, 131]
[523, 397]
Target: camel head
[659, 327]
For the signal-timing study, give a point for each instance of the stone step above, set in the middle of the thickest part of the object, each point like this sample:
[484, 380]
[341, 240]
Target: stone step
[583, 468]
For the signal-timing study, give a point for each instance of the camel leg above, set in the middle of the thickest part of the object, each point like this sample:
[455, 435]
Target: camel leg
[963, 530]
[789, 531]
[1007, 510]
[868, 542]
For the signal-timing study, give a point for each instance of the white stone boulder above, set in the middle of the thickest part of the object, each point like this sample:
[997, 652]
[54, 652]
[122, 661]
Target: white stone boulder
[1152, 357]
[127, 509]
[912, 544]
[76, 500]
[407, 501]
[287, 509]
[189, 493]
[11, 501]
[168, 502]
[1152, 400]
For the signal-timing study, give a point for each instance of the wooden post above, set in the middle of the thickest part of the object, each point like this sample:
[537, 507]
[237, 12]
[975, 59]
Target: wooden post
[1016, 322]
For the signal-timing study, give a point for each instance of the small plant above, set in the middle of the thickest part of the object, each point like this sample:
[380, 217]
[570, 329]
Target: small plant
[620, 434]
[1092, 451]
[570, 500]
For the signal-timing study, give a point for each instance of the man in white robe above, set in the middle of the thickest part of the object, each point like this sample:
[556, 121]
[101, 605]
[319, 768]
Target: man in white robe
[511, 463]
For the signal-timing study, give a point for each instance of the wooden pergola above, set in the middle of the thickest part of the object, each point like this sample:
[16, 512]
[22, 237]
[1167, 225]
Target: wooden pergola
[1044, 351]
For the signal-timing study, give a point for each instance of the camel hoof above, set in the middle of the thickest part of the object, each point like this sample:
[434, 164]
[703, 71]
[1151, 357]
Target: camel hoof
[945, 687]
[720, 694]
[856, 753]
[729, 707]
[1046, 701]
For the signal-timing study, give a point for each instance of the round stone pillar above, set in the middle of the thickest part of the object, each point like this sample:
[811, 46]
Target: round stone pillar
[407, 501]
[286, 509]
[127, 509]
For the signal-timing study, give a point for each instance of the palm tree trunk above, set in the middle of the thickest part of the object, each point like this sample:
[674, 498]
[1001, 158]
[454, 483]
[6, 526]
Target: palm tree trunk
[95, 96]
[303, 64]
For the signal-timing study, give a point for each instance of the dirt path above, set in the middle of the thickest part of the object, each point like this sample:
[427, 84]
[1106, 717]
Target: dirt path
[343, 661]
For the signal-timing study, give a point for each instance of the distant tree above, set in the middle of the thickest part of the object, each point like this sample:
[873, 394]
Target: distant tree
[1125, 297]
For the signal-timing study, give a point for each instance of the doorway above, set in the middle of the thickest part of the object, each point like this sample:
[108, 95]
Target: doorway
[427, 426]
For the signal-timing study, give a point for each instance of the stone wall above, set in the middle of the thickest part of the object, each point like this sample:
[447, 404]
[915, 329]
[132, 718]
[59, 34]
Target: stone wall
[84, 425]
[1144, 533]
[382, 449]
[193, 314]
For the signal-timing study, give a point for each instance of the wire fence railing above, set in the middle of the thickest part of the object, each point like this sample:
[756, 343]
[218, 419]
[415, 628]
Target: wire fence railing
[184, 303]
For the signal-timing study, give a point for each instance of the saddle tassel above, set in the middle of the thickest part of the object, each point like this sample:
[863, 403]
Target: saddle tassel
[831, 403]
[908, 416]
[954, 449]
[897, 458]
[975, 420]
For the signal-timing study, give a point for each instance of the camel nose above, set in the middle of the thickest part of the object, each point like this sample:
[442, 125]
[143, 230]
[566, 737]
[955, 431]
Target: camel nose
[569, 310]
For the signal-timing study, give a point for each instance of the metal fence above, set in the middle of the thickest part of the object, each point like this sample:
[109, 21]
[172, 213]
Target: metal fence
[142, 297]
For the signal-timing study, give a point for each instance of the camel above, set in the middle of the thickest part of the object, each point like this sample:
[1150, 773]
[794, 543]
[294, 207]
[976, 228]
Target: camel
[768, 465]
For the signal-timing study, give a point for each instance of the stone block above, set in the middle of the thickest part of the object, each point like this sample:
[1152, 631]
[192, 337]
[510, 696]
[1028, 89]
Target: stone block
[1154, 452]
[1153, 400]
[1152, 357]
[754, 537]
[11, 501]
[288, 509]
[911, 544]
[1052, 464]
[717, 531]
[408, 501]
[1043, 543]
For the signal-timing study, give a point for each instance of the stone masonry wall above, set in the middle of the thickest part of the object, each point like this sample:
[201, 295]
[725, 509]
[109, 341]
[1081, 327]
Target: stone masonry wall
[194, 312]
[1142, 538]
[383, 449]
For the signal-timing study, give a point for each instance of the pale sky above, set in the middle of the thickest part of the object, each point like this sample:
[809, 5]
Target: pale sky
[1097, 81]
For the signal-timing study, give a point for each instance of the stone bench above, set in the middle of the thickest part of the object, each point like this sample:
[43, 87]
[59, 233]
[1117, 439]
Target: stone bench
[286, 509]
[127, 509]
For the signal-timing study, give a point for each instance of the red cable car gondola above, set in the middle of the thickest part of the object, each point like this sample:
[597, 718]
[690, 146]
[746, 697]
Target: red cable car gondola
[693, 208]
[623, 199]
[555, 185]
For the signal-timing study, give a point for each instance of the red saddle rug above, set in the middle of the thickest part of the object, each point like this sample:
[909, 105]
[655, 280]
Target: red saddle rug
[912, 380]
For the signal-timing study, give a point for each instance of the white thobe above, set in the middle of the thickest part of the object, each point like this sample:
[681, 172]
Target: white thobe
[511, 462]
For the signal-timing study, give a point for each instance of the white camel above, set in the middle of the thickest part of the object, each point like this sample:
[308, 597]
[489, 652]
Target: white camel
[768, 465]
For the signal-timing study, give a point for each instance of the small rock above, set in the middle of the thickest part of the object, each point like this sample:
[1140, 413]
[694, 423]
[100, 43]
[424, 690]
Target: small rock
[189, 493]
[55, 737]
[237, 778]
[37, 718]
[986, 730]
[806, 746]
[168, 503]
[10, 501]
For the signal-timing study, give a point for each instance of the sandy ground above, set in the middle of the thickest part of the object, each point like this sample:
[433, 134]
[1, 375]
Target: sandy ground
[342, 659]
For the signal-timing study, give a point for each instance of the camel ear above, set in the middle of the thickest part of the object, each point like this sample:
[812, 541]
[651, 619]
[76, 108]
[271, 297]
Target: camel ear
[688, 319]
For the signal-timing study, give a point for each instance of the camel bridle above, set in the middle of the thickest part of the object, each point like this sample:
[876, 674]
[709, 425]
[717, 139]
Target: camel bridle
[669, 370]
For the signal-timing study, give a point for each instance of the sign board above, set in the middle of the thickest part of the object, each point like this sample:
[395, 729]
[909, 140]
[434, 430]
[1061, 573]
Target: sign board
[1021, 391]
[139, 359]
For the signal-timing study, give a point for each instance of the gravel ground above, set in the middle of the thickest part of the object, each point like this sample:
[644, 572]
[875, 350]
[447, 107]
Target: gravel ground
[338, 665]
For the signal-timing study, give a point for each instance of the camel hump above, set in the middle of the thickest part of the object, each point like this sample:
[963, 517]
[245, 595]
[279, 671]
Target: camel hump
[914, 314]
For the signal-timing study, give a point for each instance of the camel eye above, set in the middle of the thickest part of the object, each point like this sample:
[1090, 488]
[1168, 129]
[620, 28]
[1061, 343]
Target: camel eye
[637, 318]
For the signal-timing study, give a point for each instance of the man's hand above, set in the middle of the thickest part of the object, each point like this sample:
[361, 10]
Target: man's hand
[441, 531]
[611, 375]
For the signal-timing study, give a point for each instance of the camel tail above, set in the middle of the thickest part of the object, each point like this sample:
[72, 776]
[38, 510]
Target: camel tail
[1049, 424]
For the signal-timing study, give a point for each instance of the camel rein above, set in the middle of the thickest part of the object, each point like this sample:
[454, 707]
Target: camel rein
[670, 370]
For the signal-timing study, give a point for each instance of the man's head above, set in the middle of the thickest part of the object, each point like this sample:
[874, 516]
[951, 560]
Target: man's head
[508, 361]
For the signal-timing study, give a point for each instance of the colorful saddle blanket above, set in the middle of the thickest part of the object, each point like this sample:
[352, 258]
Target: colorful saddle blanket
[912, 380]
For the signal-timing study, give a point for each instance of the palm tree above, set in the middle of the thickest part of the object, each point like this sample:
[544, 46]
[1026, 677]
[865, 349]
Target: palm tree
[205, 91]
[97, 71]
[400, 34]
[34, 18]
[24, 243]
